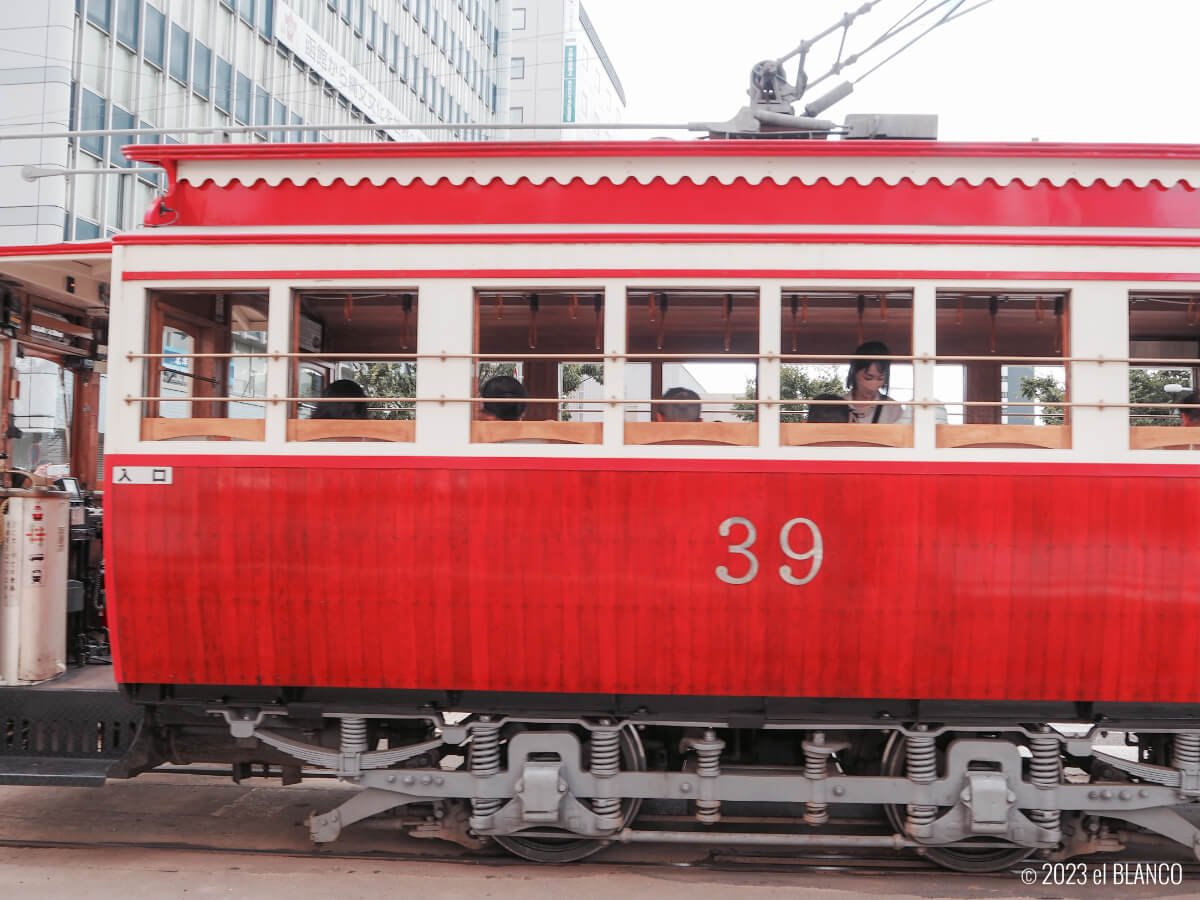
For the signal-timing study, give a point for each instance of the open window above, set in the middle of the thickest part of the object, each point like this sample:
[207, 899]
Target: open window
[693, 366]
[835, 346]
[204, 371]
[1164, 345]
[1002, 369]
[540, 377]
[355, 369]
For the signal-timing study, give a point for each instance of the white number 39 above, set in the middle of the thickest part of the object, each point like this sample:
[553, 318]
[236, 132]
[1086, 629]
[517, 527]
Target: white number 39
[815, 554]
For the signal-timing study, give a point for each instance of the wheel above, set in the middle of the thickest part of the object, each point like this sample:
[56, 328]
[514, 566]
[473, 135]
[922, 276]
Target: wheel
[569, 848]
[960, 859]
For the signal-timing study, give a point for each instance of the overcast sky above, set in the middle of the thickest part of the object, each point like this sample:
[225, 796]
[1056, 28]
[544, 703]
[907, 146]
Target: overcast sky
[1075, 70]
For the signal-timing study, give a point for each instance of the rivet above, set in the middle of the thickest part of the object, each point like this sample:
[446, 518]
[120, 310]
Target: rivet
[1093, 795]
[1106, 795]
[1143, 793]
[426, 779]
[1126, 795]
[838, 791]
[439, 780]
[685, 788]
[391, 779]
[408, 779]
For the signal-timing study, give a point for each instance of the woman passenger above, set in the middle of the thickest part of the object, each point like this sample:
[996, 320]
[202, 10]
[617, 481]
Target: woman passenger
[868, 384]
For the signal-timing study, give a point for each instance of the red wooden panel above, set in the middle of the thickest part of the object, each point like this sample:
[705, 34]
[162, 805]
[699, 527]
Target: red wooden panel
[968, 581]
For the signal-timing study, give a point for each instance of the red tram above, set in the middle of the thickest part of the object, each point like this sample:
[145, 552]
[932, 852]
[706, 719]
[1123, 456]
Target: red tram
[530, 627]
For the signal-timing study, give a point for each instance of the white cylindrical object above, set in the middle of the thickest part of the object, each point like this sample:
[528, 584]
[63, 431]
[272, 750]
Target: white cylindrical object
[33, 646]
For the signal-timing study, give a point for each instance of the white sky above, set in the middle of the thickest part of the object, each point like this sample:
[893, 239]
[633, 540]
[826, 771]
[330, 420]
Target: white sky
[1014, 70]
[1074, 70]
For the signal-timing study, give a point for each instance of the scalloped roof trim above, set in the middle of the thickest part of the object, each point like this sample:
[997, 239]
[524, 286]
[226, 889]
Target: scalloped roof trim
[326, 180]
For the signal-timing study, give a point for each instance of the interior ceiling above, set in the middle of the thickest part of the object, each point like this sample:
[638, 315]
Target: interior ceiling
[363, 321]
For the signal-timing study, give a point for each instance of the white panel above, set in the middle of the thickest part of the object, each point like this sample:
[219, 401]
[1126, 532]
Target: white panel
[1099, 327]
[445, 324]
[924, 343]
[770, 319]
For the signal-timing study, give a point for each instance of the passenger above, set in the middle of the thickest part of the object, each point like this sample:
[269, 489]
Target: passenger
[502, 387]
[342, 388]
[868, 381]
[1190, 418]
[678, 412]
[831, 413]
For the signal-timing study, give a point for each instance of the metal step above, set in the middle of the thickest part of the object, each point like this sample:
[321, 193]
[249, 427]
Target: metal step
[64, 737]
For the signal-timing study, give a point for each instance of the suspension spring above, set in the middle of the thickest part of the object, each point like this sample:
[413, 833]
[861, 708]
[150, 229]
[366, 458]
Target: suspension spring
[708, 765]
[1045, 771]
[484, 761]
[816, 768]
[354, 735]
[920, 757]
[606, 763]
[1186, 752]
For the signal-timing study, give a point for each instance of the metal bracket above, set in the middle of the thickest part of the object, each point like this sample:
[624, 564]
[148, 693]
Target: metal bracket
[540, 792]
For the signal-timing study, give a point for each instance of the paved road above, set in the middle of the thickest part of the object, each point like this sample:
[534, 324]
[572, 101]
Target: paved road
[264, 852]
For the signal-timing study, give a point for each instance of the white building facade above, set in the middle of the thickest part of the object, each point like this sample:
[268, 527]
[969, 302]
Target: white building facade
[179, 64]
[559, 70]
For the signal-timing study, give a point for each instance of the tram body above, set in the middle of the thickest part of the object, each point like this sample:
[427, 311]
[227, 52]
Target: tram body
[930, 586]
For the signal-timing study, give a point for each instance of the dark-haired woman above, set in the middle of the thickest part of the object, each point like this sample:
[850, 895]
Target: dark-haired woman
[868, 384]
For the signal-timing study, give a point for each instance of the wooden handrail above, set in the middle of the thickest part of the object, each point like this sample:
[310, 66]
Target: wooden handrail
[399, 430]
[1048, 437]
[736, 434]
[547, 432]
[204, 429]
[837, 434]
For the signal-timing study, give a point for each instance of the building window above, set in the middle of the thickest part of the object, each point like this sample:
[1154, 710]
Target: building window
[518, 68]
[242, 100]
[279, 116]
[120, 119]
[262, 107]
[201, 66]
[246, 11]
[91, 118]
[156, 37]
[266, 19]
[224, 85]
[99, 13]
[129, 17]
[179, 54]
[516, 114]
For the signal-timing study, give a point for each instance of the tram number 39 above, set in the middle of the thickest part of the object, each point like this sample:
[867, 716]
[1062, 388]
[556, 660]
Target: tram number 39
[813, 555]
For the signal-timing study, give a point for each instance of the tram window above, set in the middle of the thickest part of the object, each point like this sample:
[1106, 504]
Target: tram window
[821, 330]
[202, 396]
[704, 340]
[549, 340]
[1164, 344]
[39, 435]
[1006, 377]
[358, 364]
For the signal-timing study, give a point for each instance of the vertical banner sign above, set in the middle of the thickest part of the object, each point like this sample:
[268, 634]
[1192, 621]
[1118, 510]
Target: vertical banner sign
[569, 83]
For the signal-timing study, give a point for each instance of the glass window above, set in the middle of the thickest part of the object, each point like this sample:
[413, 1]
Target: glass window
[262, 107]
[99, 13]
[516, 114]
[518, 68]
[243, 99]
[129, 18]
[91, 117]
[42, 411]
[279, 116]
[120, 119]
[246, 11]
[1164, 342]
[223, 77]
[266, 18]
[201, 65]
[180, 40]
[296, 135]
[156, 36]
[372, 28]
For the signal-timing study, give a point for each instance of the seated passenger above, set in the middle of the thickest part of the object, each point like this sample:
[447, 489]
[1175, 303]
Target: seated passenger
[678, 412]
[1190, 418]
[868, 384]
[831, 413]
[342, 388]
[502, 387]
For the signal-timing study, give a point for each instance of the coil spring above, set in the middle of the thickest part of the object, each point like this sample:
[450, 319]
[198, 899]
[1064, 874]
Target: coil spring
[606, 762]
[708, 765]
[1045, 770]
[485, 762]
[354, 735]
[816, 768]
[920, 759]
[1186, 752]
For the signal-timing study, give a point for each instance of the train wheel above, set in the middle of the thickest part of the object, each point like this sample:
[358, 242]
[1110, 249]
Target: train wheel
[961, 859]
[568, 848]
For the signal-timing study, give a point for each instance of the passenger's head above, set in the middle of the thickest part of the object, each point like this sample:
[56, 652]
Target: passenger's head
[1190, 417]
[678, 412]
[869, 377]
[839, 412]
[342, 388]
[502, 387]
